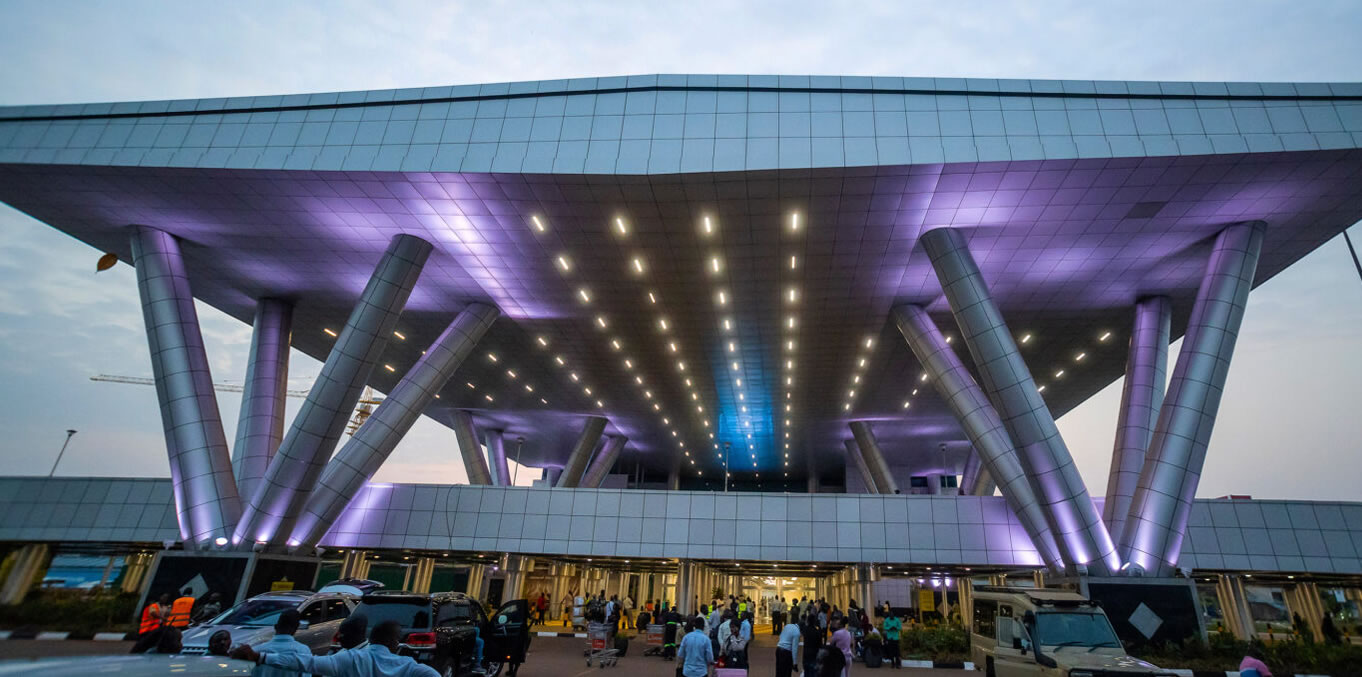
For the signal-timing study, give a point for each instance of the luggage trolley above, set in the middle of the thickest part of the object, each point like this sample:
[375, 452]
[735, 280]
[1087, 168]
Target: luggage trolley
[653, 639]
[598, 642]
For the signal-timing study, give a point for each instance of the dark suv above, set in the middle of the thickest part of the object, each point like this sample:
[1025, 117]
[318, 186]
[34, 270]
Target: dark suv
[441, 629]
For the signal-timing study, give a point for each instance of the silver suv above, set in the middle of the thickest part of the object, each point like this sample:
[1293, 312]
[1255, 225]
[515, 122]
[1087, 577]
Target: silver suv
[252, 621]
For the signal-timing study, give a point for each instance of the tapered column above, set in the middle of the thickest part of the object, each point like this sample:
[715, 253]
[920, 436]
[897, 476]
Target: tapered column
[1079, 531]
[466, 435]
[981, 424]
[604, 461]
[260, 426]
[517, 569]
[496, 457]
[862, 468]
[969, 473]
[1163, 497]
[874, 459]
[476, 574]
[206, 500]
[1141, 397]
[370, 446]
[355, 564]
[26, 564]
[581, 452]
[293, 471]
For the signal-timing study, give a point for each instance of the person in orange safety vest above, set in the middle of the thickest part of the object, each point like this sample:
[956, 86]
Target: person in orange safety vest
[154, 616]
[180, 610]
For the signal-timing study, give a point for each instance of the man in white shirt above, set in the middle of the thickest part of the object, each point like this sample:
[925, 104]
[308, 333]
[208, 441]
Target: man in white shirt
[378, 659]
[283, 644]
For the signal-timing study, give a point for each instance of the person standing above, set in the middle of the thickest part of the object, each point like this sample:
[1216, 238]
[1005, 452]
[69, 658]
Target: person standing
[154, 616]
[540, 606]
[841, 641]
[786, 649]
[813, 641]
[180, 609]
[695, 653]
[892, 628]
[283, 644]
[628, 611]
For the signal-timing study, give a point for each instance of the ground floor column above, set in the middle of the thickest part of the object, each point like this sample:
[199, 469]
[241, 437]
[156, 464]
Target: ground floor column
[581, 453]
[1162, 503]
[1234, 606]
[517, 568]
[135, 568]
[422, 573]
[260, 425]
[476, 575]
[355, 564]
[496, 458]
[1141, 397]
[25, 567]
[206, 500]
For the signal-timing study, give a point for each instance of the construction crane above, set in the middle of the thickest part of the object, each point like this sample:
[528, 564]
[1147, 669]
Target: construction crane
[367, 402]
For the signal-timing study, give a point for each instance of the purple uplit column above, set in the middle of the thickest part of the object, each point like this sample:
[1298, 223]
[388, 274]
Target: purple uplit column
[370, 446]
[466, 435]
[862, 468]
[604, 461]
[975, 480]
[293, 471]
[873, 457]
[581, 453]
[1172, 468]
[206, 501]
[496, 457]
[981, 424]
[260, 426]
[1141, 396]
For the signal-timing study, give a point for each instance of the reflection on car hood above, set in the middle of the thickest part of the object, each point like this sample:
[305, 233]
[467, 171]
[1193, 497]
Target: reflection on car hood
[146, 664]
[197, 637]
[1080, 657]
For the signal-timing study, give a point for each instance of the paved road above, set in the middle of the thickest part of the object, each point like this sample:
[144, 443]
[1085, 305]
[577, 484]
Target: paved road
[549, 657]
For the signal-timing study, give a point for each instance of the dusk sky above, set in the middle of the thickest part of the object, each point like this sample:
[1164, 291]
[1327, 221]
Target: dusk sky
[1289, 424]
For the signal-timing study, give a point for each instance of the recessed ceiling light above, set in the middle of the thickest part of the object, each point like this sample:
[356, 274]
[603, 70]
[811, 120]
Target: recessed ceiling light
[794, 221]
[739, 382]
[600, 320]
[587, 391]
[1079, 357]
[538, 225]
[870, 343]
[584, 294]
[723, 298]
[330, 333]
[794, 262]
[792, 295]
[563, 263]
[510, 373]
[651, 297]
[906, 403]
[728, 326]
[573, 376]
[559, 360]
[492, 357]
[688, 383]
[709, 227]
[389, 367]
[1104, 337]
[471, 386]
[714, 264]
[923, 377]
[489, 397]
[662, 322]
[529, 387]
[600, 404]
[1040, 389]
[619, 226]
[399, 335]
[856, 378]
[790, 322]
[1059, 374]
[1025, 338]
[542, 341]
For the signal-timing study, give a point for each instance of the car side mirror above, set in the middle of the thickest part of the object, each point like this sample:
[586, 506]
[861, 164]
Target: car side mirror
[302, 625]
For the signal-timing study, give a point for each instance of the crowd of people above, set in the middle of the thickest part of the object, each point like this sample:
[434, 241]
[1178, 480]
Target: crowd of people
[163, 621]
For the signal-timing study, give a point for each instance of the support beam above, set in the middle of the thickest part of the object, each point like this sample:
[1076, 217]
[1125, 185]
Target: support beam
[873, 457]
[981, 424]
[206, 500]
[581, 452]
[496, 457]
[551, 476]
[466, 435]
[260, 427]
[862, 469]
[1163, 497]
[604, 461]
[370, 446]
[293, 471]
[25, 566]
[1079, 531]
[1141, 397]
[975, 479]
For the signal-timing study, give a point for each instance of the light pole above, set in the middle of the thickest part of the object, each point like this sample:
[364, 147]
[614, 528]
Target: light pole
[519, 447]
[728, 451]
[69, 435]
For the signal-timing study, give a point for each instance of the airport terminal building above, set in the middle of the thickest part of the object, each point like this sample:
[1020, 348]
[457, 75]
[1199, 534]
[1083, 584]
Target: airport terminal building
[766, 334]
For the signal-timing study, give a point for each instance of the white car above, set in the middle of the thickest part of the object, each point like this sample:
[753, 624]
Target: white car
[252, 621]
[140, 665]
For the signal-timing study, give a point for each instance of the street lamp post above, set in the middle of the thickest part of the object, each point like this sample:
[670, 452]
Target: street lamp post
[728, 451]
[69, 435]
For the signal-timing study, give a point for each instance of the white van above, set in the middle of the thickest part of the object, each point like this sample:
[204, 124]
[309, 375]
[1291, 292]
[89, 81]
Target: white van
[1021, 632]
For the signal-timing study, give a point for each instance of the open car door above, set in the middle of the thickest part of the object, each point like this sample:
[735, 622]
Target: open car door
[509, 633]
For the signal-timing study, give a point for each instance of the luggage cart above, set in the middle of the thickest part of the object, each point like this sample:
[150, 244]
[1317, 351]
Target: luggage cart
[653, 639]
[598, 643]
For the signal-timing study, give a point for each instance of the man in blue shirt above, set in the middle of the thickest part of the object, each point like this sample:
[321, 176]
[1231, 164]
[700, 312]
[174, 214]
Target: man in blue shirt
[786, 648]
[378, 659]
[695, 654]
[283, 644]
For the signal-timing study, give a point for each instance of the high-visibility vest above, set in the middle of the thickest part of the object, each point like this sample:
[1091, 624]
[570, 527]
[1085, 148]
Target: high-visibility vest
[179, 612]
[151, 618]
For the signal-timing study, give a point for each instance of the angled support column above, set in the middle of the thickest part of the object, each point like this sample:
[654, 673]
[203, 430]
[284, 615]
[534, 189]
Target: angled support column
[370, 446]
[1141, 397]
[260, 427]
[862, 468]
[581, 453]
[496, 457]
[206, 500]
[1079, 531]
[873, 456]
[1163, 497]
[466, 435]
[975, 479]
[981, 424]
[293, 471]
[604, 461]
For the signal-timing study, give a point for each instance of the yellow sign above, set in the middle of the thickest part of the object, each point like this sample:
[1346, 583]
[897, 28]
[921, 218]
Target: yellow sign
[281, 584]
[926, 600]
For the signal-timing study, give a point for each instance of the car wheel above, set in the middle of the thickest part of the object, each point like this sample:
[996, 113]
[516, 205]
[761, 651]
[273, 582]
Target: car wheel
[493, 668]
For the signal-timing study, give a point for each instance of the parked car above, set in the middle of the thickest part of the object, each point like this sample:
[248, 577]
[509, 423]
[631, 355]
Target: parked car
[1026, 632]
[441, 629]
[140, 665]
[252, 621]
[352, 586]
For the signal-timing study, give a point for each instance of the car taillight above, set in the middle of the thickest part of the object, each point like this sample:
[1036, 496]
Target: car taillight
[421, 640]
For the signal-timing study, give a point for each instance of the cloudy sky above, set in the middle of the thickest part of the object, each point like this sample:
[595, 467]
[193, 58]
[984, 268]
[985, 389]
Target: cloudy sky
[1288, 424]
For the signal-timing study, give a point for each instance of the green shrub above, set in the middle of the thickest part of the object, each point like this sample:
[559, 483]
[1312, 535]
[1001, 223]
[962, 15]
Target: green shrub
[941, 642]
[1223, 652]
[74, 610]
